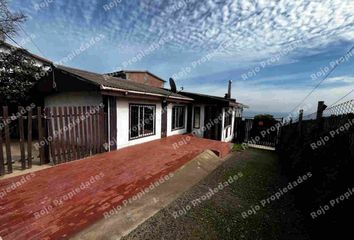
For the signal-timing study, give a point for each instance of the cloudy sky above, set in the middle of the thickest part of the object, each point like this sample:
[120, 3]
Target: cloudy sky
[275, 51]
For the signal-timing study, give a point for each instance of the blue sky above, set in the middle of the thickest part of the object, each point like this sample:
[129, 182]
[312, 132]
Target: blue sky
[274, 51]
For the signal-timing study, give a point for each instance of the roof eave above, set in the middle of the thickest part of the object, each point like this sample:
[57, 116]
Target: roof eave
[145, 93]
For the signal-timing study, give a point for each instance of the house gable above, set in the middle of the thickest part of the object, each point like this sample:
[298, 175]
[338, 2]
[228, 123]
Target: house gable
[143, 77]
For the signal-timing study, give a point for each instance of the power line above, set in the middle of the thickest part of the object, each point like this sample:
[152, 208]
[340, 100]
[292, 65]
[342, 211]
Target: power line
[13, 40]
[325, 77]
[7, 35]
[7, 13]
[342, 98]
[30, 38]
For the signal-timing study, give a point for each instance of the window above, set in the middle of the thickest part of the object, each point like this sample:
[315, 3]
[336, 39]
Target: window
[228, 118]
[196, 120]
[178, 117]
[142, 120]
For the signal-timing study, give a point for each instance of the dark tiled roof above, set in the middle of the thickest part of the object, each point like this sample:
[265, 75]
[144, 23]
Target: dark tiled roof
[118, 83]
[215, 99]
[208, 97]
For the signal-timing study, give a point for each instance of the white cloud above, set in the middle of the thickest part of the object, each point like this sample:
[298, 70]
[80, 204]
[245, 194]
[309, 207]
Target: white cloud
[340, 79]
[266, 99]
[255, 27]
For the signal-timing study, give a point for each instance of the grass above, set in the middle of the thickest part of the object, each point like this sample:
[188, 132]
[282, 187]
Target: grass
[237, 148]
[222, 217]
[219, 218]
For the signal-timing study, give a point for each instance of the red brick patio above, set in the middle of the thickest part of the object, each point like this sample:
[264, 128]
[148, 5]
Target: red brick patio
[37, 208]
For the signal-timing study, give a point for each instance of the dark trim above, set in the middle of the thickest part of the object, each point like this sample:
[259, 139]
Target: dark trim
[184, 123]
[142, 96]
[200, 113]
[113, 121]
[208, 99]
[189, 118]
[178, 101]
[164, 119]
[176, 129]
[129, 130]
[219, 127]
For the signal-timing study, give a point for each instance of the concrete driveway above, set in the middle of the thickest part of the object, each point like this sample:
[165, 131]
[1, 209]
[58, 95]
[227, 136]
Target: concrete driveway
[58, 202]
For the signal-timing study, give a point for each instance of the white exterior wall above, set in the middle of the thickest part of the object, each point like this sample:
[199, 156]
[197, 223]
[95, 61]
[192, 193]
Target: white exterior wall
[73, 99]
[169, 120]
[223, 133]
[123, 122]
[199, 131]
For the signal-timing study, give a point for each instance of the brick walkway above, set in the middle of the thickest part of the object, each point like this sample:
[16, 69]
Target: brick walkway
[57, 202]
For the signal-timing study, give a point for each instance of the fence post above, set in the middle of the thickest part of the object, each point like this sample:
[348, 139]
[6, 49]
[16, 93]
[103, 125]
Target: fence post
[29, 139]
[40, 136]
[301, 116]
[101, 126]
[320, 108]
[7, 138]
[237, 130]
[46, 135]
[2, 162]
[51, 136]
[22, 139]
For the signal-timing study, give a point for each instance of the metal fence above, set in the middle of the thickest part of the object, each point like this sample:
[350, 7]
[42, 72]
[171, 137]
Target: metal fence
[340, 109]
[336, 110]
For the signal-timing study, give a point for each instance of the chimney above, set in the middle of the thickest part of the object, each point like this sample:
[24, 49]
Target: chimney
[228, 95]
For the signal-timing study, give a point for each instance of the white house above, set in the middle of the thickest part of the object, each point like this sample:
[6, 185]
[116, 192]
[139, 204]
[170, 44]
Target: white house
[137, 107]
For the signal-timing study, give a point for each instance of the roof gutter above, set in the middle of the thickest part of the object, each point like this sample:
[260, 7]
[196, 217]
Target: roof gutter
[143, 93]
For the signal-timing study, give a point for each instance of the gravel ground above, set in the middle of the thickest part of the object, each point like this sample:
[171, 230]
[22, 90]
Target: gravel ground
[219, 217]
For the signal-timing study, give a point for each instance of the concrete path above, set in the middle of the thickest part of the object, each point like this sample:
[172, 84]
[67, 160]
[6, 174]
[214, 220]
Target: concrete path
[58, 202]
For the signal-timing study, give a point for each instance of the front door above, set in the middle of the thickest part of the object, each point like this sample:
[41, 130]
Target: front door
[211, 123]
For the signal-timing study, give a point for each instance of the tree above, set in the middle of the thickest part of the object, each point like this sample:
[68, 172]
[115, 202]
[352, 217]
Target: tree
[17, 76]
[8, 20]
[17, 68]
[264, 120]
[261, 123]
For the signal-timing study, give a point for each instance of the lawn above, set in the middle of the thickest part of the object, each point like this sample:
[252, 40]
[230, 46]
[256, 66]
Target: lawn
[220, 217]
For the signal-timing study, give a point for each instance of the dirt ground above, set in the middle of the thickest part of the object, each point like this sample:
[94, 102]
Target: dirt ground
[219, 216]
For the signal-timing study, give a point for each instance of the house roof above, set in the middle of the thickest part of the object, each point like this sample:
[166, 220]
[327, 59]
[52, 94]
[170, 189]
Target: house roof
[34, 56]
[106, 82]
[109, 82]
[214, 99]
[138, 71]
